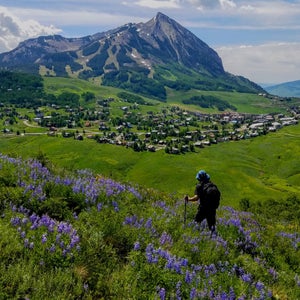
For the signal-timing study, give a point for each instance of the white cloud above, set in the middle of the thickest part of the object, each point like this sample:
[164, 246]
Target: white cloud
[158, 4]
[14, 30]
[266, 63]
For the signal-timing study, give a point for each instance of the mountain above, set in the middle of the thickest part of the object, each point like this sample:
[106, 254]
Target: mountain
[145, 58]
[287, 89]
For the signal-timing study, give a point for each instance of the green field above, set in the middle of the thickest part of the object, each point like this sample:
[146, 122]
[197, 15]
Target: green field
[249, 103]
[266, 167]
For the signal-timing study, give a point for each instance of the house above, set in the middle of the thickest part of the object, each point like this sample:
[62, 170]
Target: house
[256, 126]
[198, 144]
[174, 150]
[151, 148]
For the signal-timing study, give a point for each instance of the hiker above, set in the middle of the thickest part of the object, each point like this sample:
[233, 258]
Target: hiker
[208, 196]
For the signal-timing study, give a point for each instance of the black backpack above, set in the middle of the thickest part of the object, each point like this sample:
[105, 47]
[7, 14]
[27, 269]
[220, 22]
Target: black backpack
[212, 195]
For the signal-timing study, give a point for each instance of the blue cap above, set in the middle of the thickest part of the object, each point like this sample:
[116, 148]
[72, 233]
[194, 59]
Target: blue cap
[202, 176]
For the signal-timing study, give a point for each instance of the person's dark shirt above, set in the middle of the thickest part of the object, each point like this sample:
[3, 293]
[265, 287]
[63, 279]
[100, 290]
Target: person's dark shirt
[199, 191]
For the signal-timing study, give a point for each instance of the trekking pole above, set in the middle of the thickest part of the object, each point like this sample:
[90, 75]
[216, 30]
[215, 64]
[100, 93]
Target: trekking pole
[185, 201]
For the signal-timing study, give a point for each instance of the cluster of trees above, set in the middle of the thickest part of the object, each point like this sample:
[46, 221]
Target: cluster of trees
[27, 90]
[21, 89]
[209, 102]
[131, 98]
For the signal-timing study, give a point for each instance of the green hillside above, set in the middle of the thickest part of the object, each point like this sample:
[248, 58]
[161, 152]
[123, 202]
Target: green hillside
[244, 102]
[74, 235]
[262, 168]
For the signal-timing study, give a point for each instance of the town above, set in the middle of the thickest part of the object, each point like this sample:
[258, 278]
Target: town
[173, 129]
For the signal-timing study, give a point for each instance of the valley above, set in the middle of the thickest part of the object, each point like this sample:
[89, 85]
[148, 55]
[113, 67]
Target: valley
[143, 143]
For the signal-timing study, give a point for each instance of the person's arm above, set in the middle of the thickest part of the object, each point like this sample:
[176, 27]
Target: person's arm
[192, 199]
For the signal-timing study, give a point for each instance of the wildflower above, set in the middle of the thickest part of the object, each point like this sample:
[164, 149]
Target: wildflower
[165, 238]
[15, 221]
[178, 291]
[188, 277]
[99, 206]
[273, 273]
[148, 224]
[162, 294]
[115, 205]
[232, 295]
[44, 238]
[259, 286]
[193, 293]
[136, 246]
[26, 243]
[52, 248]
[246, 278]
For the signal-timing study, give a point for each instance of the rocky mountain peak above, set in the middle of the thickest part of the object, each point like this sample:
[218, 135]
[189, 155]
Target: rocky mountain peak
[132, 56]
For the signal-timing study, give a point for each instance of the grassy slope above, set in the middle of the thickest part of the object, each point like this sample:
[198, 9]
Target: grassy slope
[250, 103]
[260, 168]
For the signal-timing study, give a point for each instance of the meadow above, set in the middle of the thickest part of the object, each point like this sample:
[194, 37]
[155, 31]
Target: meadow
[78, 235]
[83, 220]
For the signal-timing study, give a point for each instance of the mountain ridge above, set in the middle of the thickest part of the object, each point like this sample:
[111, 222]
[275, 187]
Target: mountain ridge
[144, 58]
[285, 89]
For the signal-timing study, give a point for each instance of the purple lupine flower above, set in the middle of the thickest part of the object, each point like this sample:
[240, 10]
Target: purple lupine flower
[193, 293]
[270, 294]
[44, 238]
[61, 244]
[15, 221]
[24, 221]
[246, 278]
[26, 243]
[259, 286]
[177, 267]
[115, 205]
[52, 248]
[178, 290]
[162, 294]
[188, 277]
[58, 237]
[273, 273]
[148, 223]
[165, 239]
[99, 206]
[137, 246]
[74, 240]
[231, 295]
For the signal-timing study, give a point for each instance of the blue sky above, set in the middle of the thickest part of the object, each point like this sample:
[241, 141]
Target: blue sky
[258, 39]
